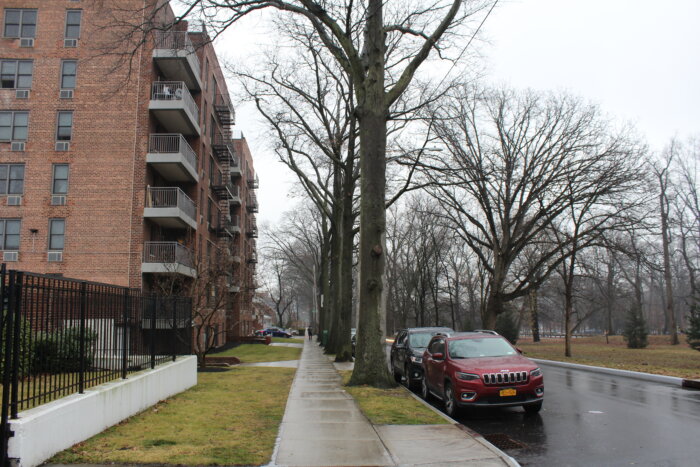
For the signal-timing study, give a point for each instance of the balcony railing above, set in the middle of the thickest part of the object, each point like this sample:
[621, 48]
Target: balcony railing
[224, 109]
[170, 197]
[172, 143]
[222, 185]
[167, 253]
[234, 166]
[223, 146]
[252, 202]
[176, 40]
[175, 91]
[253, 181]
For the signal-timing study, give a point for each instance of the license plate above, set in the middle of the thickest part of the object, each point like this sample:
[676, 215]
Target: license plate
[508, 392]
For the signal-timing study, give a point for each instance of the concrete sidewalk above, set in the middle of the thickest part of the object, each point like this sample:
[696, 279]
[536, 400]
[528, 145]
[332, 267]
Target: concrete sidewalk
[323, 426]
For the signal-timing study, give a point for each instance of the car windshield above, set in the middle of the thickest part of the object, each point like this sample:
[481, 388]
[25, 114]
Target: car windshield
[420, 339]
[475, 348]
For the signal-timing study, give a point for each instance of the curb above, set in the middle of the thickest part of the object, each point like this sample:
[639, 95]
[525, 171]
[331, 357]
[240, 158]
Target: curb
[662, 379]
[480, 439]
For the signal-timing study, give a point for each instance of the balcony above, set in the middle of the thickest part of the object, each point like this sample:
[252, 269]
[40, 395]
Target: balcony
[252, 202]
[252, 228]
[176, 58]
[170, 207]
[173, 106]
[224, 188]
[252, 257]
[224, 110]
[223, 146]
[172, 157]
[228, 226]
[252, 180]
[235, 167]
[167, 258]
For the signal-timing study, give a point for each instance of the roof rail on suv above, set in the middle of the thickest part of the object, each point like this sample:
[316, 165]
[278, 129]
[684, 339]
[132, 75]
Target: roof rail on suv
[487, 331]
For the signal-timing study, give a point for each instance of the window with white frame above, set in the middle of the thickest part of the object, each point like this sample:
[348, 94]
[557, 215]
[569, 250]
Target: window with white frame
[57, 233]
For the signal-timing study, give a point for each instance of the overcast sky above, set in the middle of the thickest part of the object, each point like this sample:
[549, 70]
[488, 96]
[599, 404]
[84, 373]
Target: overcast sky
[637, 59]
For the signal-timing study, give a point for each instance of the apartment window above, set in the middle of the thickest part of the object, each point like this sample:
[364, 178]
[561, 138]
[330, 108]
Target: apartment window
[210, 211]
[11, 179]
[204, 118]
[69, 69]
[73, 24]
[211, 129]
[13, 126]
[16, 74]
[20, 22]
[9, 234]
[211, 171]
[64, 129]
[213, 87]
[59, 185]
[57, 233]
[206, 73]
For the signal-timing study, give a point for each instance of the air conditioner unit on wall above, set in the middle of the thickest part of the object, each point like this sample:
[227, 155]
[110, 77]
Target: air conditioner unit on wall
[70, 43]
[58, 200]
[10, 256]
[65, 94]
[14, 200]
[62, 145]
[26, 42]
[17, 146]
[22, 93]
[55, 256]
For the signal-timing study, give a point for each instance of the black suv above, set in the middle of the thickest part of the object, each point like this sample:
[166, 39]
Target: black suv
[407, 353]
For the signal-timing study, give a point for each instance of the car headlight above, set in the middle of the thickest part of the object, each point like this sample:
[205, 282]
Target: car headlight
[467, 376]
[536, 372]
[415, 359]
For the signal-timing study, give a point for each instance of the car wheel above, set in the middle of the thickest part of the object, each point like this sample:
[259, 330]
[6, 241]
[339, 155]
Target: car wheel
[533, 408]
[397, 376]
[424, 392]
[451, 407]
[408, 381]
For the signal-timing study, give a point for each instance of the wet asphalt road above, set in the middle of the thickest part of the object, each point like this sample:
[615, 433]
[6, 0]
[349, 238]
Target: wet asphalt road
[591, 419]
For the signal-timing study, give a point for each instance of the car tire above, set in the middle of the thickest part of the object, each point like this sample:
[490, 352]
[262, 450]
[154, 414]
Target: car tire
[533, 408]
[408, 381]
[451, 407]
[397, 376]
[424, 391]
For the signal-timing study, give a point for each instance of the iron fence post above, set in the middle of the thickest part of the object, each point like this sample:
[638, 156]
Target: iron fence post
[125, 339]
[8, 314]
[174, 333]
[16, 340]
[83, 306]
[156, 304]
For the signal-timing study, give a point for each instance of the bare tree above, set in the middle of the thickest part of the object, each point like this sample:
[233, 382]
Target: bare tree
[514, 164]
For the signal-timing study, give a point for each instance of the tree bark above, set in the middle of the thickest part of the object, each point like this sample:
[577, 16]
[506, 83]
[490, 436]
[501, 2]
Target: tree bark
[372, 110]
[663, 201]
[534, 315]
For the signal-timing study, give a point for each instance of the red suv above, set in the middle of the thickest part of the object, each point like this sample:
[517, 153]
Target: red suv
[480, 369]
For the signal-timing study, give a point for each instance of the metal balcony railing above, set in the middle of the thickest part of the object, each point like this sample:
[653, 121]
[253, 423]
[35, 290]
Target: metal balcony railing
[167, 252]
[172, 143]
[175, 91]
[252, 202]
[253, 181]
[170, 197]
[176, 40]
[224, 109]
[223, 146]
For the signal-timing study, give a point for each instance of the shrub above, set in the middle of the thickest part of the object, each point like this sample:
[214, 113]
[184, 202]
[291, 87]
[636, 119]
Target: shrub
[507, 326]
[635, 332]
[59, 351]
[693, 336]
[25, 347]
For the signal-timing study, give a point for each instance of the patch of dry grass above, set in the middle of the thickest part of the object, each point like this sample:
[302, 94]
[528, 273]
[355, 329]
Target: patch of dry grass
[230, 417]
[659, 357]
[393, 406]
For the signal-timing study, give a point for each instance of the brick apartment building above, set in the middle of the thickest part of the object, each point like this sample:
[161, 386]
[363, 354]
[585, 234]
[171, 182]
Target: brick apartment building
[117, 162]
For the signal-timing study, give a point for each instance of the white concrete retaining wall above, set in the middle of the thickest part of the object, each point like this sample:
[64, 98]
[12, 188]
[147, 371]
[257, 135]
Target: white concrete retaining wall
[45, 430]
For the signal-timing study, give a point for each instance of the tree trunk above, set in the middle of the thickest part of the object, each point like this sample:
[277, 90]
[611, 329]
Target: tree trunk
[667, 267]
[610, 305]
[534, 315]
[370, 363]
[346, 227]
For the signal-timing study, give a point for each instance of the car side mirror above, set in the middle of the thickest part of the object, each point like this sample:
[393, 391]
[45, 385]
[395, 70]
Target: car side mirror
[519, 350]
[438, 356]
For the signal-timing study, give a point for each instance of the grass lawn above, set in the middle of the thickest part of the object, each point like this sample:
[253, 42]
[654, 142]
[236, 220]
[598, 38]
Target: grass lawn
[230, 417]
[288, 340]
[255, 353]
[659, 357]
[391, 406]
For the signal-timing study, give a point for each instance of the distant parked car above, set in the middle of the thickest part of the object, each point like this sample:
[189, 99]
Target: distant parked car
[480, 369]
[407, 353]
[276, 332]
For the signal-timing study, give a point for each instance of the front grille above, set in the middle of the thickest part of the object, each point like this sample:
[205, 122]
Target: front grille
[505, 378]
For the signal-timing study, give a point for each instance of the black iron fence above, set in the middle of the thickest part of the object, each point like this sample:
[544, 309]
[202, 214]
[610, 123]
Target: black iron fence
[60, 336]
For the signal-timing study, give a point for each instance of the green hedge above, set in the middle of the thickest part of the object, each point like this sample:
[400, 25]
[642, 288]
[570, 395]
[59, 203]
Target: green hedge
[59, 351]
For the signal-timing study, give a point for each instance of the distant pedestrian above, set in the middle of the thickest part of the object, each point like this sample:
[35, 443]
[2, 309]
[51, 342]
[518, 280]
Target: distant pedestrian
[308, 331]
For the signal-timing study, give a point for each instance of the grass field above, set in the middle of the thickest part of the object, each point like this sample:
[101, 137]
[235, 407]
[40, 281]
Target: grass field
[391, 406]
[290, 340]
[256, 353]
[659, 357]
[229, 418]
